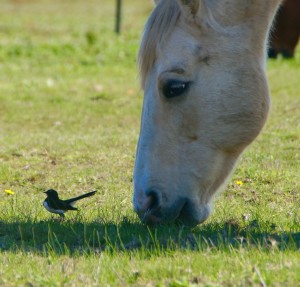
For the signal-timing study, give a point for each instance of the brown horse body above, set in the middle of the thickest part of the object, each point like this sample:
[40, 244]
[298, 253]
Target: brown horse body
[286, 30]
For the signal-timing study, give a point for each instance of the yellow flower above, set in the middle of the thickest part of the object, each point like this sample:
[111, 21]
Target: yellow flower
[239, 182]
[8, 191]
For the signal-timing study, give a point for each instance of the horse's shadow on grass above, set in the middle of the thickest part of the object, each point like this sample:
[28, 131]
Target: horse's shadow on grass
[73, 237]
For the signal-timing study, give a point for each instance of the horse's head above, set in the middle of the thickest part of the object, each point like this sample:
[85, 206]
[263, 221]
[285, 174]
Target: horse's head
[205, 100]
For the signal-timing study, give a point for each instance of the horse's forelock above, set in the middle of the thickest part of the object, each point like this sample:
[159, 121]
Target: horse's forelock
[159, 26]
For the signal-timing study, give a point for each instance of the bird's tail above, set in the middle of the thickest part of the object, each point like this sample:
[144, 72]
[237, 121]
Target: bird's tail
[71, 200]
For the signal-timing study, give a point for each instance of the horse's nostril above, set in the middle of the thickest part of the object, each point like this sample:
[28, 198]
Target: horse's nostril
[154, 199]
[149, 207]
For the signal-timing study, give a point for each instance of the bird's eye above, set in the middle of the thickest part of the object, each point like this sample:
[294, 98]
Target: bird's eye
[174, 88]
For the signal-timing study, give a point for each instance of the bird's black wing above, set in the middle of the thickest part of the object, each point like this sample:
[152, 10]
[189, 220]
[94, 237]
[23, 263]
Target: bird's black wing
[60, 204]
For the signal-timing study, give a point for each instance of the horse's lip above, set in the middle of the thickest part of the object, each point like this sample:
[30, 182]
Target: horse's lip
[161, 215]
[151, 219]
[150, 216]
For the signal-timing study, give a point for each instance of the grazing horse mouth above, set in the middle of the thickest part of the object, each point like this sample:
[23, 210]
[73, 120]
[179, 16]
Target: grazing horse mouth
[183, 211]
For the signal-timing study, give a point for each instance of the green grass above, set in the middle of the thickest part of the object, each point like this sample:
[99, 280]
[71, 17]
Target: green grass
[70, 107]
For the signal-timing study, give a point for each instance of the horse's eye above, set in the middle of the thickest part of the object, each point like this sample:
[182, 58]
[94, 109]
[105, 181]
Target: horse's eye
[174, 88]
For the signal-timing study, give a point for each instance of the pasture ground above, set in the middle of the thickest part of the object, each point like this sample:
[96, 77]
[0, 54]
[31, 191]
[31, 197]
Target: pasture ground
[70, 107]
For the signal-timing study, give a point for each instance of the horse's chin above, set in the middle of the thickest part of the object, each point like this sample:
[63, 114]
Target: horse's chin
[192, 215]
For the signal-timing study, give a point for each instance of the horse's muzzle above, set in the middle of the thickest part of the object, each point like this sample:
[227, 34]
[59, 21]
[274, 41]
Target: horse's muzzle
[153, 211]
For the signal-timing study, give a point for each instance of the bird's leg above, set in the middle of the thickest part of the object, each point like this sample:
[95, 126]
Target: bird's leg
[62, 217]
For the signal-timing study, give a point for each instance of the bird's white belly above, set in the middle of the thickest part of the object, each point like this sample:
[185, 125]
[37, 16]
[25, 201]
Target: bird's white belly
[57, 211]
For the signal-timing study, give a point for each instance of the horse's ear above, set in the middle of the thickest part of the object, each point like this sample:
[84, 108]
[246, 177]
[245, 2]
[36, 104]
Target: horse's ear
[156, 1]
[189, 7]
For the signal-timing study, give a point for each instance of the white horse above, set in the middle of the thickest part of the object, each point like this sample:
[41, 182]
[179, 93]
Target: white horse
[206, 98]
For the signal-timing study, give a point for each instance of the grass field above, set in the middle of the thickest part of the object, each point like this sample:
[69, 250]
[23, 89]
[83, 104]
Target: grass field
[70, 107]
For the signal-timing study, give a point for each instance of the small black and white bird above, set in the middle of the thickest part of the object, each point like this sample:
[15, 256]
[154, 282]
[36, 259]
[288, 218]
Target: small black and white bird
[55, 205]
